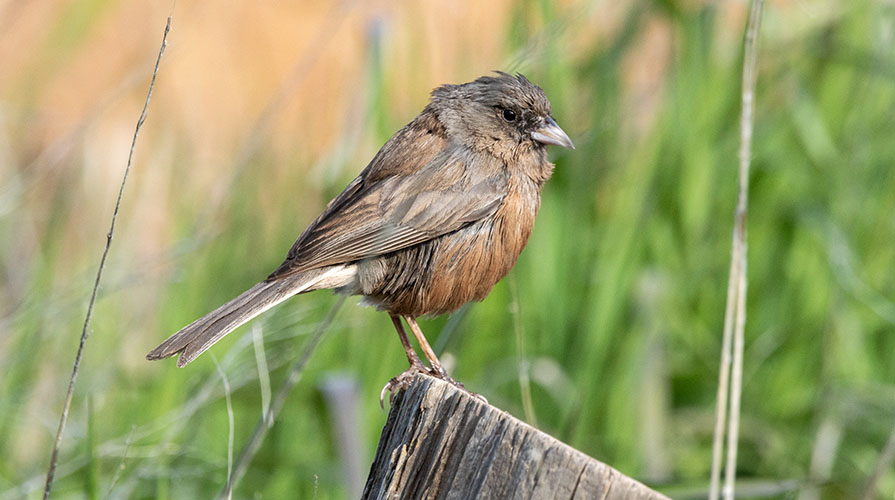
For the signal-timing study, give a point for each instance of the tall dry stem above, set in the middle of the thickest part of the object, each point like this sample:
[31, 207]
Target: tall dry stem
[730, 377]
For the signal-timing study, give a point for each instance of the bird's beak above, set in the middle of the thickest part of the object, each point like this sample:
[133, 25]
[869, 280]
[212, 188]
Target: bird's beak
[550, 133]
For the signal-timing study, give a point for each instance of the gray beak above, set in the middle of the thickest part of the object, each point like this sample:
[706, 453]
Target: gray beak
[550, 133]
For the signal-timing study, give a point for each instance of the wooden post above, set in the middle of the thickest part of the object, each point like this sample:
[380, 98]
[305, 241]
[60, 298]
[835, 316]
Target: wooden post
[440, 442]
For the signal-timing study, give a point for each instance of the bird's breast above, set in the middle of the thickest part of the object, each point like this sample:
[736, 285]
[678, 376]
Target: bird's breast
[441, 275]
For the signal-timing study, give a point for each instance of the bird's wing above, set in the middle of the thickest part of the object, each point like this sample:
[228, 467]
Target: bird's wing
[454, 188]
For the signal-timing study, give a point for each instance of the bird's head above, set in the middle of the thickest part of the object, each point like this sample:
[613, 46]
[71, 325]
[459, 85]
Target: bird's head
[500, 114]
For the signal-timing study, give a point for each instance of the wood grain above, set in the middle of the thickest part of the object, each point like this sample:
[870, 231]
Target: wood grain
[440, 442]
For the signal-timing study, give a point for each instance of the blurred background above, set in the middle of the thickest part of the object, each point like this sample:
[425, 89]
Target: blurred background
[606, 334]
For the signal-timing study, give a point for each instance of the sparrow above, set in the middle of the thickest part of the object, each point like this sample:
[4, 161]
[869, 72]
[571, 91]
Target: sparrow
[434, 221]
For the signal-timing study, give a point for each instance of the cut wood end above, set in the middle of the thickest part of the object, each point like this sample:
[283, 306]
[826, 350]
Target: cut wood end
[440, 439]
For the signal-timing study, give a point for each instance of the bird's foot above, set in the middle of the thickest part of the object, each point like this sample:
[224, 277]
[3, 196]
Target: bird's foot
[401, 382]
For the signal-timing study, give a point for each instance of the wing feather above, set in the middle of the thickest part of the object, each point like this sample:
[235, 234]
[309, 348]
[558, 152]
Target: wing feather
[401, 200]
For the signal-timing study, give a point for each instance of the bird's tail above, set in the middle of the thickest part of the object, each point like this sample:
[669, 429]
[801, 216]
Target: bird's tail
[195, 338]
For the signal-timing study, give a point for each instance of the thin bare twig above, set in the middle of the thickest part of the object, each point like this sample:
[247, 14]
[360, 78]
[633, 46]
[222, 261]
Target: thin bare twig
[266, 421]
[736, 379]
[85, 332]
[723, 381]
[731, 370]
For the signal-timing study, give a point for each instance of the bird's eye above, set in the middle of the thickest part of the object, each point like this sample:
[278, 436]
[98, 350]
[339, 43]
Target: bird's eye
[509, 115]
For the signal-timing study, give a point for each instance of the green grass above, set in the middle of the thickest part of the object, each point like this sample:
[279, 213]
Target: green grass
[620, 290]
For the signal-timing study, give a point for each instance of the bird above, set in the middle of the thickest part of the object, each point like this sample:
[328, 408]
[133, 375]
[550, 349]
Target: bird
[439, 215]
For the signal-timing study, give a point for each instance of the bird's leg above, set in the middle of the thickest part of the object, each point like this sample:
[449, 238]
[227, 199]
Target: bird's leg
[405, 343]
[437, 369]
[416, 366]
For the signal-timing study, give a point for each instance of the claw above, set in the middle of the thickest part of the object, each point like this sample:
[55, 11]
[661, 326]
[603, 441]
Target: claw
[401, 382]
[385, 388]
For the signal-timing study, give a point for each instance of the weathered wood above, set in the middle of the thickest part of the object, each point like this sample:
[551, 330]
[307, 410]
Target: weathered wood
[440, 442]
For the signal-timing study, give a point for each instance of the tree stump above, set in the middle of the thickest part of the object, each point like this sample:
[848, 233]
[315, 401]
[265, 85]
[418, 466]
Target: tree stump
[440, 442]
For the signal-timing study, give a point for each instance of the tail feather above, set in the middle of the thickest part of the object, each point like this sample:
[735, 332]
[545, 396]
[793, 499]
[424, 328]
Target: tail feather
[195, 338]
